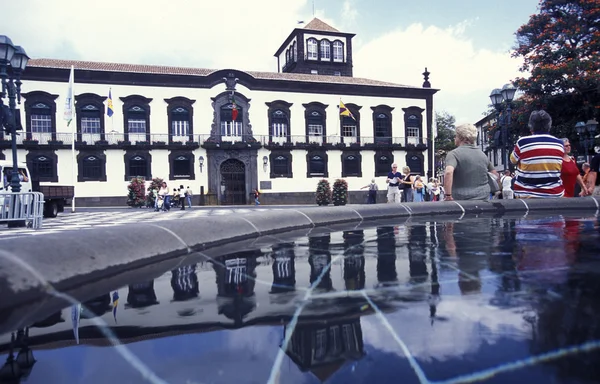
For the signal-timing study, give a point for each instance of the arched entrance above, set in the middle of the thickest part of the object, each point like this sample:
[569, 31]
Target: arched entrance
[233, 182]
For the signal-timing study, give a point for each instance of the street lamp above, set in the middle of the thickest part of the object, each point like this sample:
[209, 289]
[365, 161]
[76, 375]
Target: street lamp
[586, 133]
[501, 100]
[13, 61]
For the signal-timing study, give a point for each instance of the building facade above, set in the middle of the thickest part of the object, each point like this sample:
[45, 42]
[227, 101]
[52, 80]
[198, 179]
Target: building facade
[227, 131]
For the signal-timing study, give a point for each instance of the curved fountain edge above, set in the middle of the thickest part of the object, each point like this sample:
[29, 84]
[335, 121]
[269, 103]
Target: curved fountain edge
[71, 259]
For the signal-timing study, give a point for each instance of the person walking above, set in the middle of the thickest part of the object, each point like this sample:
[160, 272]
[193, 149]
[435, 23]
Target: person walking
[393, 181]
[467, 167]
[539, 160]
[372, 196]
[256, 196]
[406, 185]
[182, 197]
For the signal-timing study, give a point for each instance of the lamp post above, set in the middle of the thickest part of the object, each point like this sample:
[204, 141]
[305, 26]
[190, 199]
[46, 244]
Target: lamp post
[13, 61]
[586, 133]
[501, 100]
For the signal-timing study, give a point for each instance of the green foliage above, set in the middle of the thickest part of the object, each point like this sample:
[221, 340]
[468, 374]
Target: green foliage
[445, 122]
[560, 47]
[155, 185]
[135, 194]
[340, 192]
[323, 192]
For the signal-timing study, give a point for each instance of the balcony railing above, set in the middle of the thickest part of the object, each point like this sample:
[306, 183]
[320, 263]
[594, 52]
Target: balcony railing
[63, 139]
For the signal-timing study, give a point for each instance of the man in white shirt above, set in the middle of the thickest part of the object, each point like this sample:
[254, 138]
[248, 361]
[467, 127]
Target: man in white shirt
[506, 180]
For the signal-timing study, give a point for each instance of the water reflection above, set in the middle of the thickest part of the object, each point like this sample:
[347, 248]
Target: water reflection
[325, 347]
[479, 283]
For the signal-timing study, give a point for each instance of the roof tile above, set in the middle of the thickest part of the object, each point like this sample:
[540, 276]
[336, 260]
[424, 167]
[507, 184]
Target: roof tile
[317, 24]
[187, 71]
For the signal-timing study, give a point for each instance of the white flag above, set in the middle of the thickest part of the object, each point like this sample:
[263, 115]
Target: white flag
[69, 100]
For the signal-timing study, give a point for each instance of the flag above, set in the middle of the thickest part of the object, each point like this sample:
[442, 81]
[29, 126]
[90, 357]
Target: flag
[75, 314]
[69, 99]
[345, 111]
[234, 110]
[109, 109]
[115, 303]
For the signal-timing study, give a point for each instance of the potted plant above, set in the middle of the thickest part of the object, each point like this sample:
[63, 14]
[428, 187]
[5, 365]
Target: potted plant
[136, 196]
[340, 192]
[323, 195]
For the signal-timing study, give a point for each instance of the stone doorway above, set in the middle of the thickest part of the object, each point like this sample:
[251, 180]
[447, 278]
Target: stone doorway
[233, 182]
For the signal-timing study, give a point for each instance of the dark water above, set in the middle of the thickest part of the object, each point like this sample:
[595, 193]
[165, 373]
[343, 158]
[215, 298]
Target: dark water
[493, 300]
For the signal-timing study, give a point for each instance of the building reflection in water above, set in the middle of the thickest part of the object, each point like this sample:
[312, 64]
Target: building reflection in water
[386, 256]
[184, 282]
[324, 347]
[235, 274]
[284, 268]
[319, 257]
[417, 253]
[354, 260]
[18, 368]
[97, 306]
[141, 295]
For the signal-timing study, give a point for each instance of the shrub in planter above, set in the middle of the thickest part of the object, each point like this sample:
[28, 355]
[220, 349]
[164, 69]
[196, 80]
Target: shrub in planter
[136, 196]
[340, 192]
[323, 192]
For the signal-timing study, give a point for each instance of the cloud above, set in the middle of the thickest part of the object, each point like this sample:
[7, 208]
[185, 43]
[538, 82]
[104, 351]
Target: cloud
[212, 34]
[464, 74]
[349, 12]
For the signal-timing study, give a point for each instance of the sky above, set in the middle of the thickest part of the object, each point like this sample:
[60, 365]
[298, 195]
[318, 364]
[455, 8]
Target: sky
[465, 44]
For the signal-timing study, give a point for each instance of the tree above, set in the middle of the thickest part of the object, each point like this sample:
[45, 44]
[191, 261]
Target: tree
[445, 122]
[560, 47]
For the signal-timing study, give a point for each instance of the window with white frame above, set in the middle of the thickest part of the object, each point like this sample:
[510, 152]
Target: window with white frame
[312, 52]
[325, 50]
[279, 124]
[338, 51]
[180, 122]
[136, 120]
[315, 129]
[41, 121]
[90, 125]
[231, 128]
[349, 128]
[136, 125]
[412, 130]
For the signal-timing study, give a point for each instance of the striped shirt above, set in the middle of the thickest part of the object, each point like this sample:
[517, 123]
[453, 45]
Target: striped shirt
[539, 162]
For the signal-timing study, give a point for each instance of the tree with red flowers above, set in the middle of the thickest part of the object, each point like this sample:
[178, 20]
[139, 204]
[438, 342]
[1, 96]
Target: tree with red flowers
[560, 47]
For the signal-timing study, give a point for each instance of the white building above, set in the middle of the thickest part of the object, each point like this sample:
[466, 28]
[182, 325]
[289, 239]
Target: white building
[176, 123]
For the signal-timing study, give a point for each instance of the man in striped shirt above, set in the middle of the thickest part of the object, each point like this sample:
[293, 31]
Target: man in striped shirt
[539, 160]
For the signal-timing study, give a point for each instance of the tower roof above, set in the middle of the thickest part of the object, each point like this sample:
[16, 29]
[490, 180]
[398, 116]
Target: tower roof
[317, 24]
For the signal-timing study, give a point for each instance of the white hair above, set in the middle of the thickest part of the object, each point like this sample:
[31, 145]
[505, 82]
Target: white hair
[466, 133]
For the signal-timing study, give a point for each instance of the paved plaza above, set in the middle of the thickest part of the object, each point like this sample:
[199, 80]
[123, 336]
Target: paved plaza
[85, 218]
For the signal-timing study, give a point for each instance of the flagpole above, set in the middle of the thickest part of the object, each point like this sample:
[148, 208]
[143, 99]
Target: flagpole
[69, 116]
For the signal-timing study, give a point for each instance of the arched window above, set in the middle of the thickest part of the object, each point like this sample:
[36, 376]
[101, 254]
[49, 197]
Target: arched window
[338, 51]
[92, 166]
[315, 117]
[180, 110]
[232, 122]
[89, 112]
[382, 124]
[312, 52]
[295, 51]
[281, 164]
[182, 165]
[42, 165]
[350, 125]
[279, 121]
[325, 50]
[316, 164]
[351, 164]
[136, 112]
[413, 125]
[40, 116]
[383, 163]
[138, 164]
